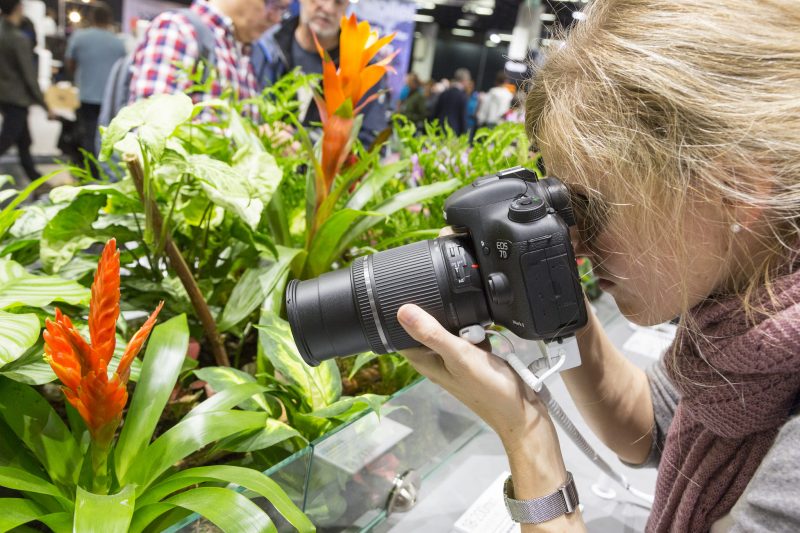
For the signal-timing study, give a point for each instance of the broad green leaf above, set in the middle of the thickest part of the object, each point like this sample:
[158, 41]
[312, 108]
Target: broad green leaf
[273, 432]
[250, 479]
[33, 372]
[399, 201]
[155, 117]
[17, 334]
[226, 188]
[163, 359]
[120, 193]
[223, 380]
[374, 183]
[17, 511]
[35, 423]
[18, 479]
[325, 247]
[9, 214]
[104, 513]
[186, 437]
[18, 287]
[253, 288]
[15, 454]
[228, 510]
[321, 385]
[58, 522]
[70, 231]
[259, 170]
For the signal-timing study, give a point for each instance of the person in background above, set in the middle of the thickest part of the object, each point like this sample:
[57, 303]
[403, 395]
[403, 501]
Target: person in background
[170, 49]
[291, 44]
[679, 143]
[473, 101]
[91, 53]
[19, 88]
[451, 106]
[414, 106]
[496, 103]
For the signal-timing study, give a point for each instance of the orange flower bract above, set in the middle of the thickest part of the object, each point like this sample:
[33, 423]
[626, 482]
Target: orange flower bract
[83, 367]
[343, 92]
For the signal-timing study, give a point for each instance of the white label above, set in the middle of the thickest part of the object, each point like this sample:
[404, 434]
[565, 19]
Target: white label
[367, 439]
[488, 513]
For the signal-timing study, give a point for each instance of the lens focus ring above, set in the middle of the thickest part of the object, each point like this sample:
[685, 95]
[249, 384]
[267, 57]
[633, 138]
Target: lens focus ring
[364, 308]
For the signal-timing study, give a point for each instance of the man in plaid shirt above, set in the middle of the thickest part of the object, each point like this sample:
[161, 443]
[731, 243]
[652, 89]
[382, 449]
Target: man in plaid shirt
[171, 49]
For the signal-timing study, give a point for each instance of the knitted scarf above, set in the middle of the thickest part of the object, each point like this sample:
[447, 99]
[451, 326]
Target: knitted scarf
[739, 381]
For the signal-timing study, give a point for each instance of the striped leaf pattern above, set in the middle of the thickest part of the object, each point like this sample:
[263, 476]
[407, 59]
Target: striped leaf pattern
[19, 288]
[17, 334]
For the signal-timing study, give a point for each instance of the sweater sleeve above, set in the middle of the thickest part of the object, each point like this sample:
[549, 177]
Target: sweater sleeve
[665, 400]
[769, 502]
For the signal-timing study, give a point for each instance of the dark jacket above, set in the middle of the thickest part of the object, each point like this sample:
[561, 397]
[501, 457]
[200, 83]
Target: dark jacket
[18, 84]
[415, 107]
[451, 108]
[272, 59]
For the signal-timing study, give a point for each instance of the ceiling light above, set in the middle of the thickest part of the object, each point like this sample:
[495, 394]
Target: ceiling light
[482, 10]
[465, 22]
[494, 38]
[579, 15]
[516, 66]
[423, 18]
[426, 5]
[547, 17]
[490, 44]
[74, 17]
[505, 37]
[462, 32]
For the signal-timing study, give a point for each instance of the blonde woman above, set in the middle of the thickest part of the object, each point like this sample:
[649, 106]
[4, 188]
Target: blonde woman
[676, 125]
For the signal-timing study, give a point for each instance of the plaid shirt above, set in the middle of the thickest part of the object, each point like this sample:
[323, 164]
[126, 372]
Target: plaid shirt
[170, 49]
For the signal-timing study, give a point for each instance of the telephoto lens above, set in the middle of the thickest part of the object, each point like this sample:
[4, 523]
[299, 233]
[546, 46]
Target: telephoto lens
[354, 310]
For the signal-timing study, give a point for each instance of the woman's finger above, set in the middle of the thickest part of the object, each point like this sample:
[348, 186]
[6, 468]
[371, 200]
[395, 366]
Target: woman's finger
[424, 328]
[426, 362]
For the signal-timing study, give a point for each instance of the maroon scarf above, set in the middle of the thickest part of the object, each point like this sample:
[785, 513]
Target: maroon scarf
[727, 418]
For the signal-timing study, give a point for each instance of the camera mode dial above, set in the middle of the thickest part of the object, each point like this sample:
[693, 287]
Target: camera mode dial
[527, 209]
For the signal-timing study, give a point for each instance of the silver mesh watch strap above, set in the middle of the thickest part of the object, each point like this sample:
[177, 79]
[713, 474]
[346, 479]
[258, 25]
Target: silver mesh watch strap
[538, 510]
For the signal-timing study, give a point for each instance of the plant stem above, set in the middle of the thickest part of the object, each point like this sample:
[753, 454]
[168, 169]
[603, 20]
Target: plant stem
[182, 270]
[99, 457]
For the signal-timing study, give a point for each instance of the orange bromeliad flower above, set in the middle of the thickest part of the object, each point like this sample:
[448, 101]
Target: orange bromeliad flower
[343, 92]
[83, 367]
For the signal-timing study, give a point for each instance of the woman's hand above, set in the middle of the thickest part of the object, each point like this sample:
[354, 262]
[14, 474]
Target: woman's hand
[481, 381]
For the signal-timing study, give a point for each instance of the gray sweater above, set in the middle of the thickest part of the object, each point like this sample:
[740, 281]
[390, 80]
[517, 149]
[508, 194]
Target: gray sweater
[771, 501]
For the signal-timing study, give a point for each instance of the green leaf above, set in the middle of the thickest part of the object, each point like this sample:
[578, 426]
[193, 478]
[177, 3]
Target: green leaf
[397, 202]
[254, 287]
[226, 188]
[225, 380]
[163, 359]
[70, 231]
[30, 368]
[259, 170]
[361, 360]
[273, 432]
[321, 385]
[326, 248]
[18, 479]
[228, 510]
[346, 407]
[374, 183]
[17, 511]
[104, 513]
[9, 214]
[155, 117]
[17, 334]
[244, 477]
[35, 423]
[186, 437]
[18, 287]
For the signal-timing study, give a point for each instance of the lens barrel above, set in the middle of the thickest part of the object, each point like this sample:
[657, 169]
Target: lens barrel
[354, 310]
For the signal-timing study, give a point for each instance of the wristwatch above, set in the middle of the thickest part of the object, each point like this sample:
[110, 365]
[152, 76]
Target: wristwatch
[537, 510]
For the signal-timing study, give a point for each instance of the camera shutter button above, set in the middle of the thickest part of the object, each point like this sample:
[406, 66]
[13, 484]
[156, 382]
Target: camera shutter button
[500, 288]
[527, 209]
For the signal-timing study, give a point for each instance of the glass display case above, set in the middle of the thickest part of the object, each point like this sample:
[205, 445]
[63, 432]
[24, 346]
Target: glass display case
[353, 477]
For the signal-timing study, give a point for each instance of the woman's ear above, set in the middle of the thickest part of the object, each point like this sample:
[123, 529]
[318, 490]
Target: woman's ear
[745, 195]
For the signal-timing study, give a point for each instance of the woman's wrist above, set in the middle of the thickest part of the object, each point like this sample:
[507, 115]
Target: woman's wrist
[537, 466]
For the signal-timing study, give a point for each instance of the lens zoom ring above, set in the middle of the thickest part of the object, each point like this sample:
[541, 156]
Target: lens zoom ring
[406, 275]
[364, 311]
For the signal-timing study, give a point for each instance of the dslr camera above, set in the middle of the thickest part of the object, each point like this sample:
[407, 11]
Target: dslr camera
[510, 262]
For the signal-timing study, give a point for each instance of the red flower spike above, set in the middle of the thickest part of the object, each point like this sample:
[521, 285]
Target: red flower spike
[104, 306]
[83, 367]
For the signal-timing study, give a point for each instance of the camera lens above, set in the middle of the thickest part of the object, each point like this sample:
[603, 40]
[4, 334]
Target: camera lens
[354, 310]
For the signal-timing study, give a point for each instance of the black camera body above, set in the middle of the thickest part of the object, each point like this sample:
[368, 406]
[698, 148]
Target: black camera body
[511, 262]
[519, 227]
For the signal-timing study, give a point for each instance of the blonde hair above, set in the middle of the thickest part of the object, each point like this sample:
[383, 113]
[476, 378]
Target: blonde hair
[665, 100]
